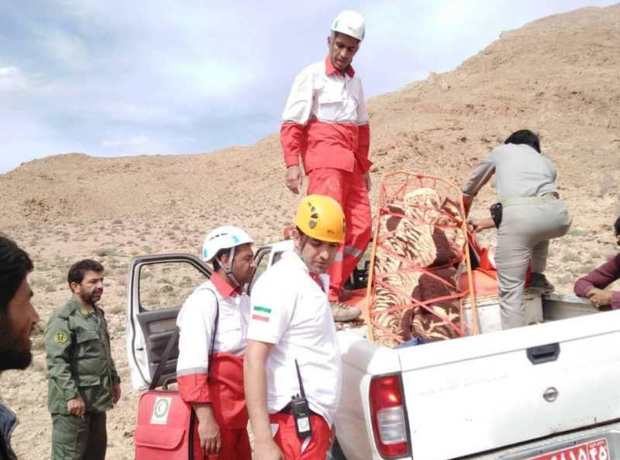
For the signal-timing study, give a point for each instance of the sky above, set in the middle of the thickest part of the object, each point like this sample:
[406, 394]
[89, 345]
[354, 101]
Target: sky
[119, 77]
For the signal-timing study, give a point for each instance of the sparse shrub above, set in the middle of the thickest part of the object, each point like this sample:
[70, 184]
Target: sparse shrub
[106, 252]
[576, 232]
[116, 308]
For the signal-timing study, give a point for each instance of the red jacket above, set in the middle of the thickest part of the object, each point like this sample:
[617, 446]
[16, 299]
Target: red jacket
[325, 121]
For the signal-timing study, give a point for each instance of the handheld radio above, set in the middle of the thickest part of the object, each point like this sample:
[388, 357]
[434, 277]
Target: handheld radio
[300, 410]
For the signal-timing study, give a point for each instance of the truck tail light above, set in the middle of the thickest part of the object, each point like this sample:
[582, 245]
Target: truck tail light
[387, 411]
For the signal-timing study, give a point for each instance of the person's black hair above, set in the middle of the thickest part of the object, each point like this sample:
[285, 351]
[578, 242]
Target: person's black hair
[15, 264]
[524, 136]
[215, 261]
[79, 269]
[617, 226]
[335, 34]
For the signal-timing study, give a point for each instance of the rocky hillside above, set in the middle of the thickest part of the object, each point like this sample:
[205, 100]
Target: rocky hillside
[559, 76]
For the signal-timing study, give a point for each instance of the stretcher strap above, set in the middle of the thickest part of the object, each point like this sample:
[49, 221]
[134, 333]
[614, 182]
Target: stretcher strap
[442, 214]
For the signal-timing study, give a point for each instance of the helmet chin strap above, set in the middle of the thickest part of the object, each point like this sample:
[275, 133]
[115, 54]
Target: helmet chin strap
[228, 268]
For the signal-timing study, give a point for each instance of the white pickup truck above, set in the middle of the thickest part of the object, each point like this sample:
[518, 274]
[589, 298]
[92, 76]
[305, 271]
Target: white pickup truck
[549, 391]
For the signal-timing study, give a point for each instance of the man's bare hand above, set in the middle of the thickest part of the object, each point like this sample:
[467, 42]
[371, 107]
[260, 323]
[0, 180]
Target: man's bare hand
[293, 179]
[478, 225]
[208, 429]
[267, 450]
[116, 392]
[76, 407]
[600, 297]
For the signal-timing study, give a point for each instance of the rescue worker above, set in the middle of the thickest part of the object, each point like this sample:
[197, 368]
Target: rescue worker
[291, 325]
[325, 129]
[532, 214]
[594, 284]
[213, 325]
[82, 379]
[17, 320]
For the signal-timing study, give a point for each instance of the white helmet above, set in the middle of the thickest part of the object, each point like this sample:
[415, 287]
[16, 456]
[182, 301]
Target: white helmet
[350, 23]
[224, 237]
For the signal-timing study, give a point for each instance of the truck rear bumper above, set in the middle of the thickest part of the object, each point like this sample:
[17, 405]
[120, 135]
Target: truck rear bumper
[609, 431]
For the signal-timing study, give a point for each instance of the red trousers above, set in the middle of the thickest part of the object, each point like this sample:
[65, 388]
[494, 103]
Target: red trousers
[235, 446]
[350, 190]
[289, 443]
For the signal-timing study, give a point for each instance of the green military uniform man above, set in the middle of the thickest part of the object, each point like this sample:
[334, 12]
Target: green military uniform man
[83, 382]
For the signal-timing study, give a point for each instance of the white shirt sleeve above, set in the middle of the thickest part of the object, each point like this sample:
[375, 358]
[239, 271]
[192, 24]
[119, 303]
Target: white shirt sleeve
[271, 311]
[299, 103]
[196, 323]
[552, 169]
[480, 175]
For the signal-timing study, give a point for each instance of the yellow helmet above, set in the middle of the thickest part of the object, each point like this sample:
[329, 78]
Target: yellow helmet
[321, 217]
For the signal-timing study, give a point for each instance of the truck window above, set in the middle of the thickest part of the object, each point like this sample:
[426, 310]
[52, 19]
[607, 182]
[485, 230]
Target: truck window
[167, 285]
[277, 256]
[261, 260]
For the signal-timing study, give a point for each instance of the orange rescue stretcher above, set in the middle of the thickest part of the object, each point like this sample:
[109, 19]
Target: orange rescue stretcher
[420, 272]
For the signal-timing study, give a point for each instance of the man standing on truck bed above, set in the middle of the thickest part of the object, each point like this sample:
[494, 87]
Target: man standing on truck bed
[212, 329]
[82, 379]
[530, 214]
[325, 126]
[292, 348]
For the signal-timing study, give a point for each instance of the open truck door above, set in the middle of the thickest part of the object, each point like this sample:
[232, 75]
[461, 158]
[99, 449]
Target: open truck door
[158, 286]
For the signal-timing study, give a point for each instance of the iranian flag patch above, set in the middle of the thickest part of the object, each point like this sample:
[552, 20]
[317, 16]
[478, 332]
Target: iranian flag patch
[260, 313]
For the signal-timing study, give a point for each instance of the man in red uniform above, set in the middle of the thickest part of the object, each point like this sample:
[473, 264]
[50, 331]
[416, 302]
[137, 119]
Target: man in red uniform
[325, 127]
[292, 347]
[212, 336]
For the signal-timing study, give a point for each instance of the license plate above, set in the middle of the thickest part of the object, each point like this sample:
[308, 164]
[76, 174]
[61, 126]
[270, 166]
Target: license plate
[590, 450]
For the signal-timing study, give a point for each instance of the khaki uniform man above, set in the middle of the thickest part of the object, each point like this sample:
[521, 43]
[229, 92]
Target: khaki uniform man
[532, 214]
[83, 381]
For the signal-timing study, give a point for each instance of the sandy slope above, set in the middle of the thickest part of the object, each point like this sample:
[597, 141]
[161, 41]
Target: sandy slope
[559, 75]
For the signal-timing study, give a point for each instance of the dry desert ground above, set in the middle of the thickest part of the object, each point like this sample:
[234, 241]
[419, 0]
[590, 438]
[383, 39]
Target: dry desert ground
[559, 76]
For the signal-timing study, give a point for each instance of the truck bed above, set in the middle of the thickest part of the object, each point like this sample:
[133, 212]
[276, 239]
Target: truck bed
[469, 396]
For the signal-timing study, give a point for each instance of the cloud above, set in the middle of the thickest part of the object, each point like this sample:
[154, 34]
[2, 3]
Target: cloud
[160, 76]
[135, 141]
[66, 49]
[12, 80]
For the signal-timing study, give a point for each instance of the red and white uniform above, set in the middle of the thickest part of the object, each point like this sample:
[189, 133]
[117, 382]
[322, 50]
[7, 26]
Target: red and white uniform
[222, 387]
[290, 310]
[325, 125]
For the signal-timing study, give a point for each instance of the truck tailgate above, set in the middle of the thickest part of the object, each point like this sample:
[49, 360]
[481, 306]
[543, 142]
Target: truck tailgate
[479, 393]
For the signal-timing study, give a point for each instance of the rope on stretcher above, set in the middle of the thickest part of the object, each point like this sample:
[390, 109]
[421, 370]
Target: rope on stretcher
[394, 265]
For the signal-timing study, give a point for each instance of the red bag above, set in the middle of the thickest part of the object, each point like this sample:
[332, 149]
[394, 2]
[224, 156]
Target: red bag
[165, 427]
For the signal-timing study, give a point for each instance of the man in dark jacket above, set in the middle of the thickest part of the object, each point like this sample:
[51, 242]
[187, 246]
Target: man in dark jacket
[17, 319]
[83, 382]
